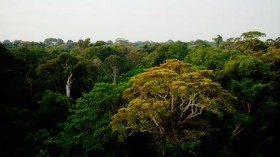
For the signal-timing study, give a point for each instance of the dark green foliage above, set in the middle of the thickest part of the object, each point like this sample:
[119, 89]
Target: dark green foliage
[125, 77]
[247, 89]
[218, 40]
[99, 50]
[99, 43]
[87, 129]
[12, 77]
[173, 50]
[53, 109]
[38, 119]
[14, 115]
[244, 66]
[208, 57]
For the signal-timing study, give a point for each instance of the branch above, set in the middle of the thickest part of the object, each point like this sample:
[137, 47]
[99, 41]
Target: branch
[195, 113]
[196, 109]
[163, 97]
[237, 130]
[145, 130]
[161, 129]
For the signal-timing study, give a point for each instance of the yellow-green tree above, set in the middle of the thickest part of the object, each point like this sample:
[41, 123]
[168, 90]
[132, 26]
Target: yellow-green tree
[169, 102]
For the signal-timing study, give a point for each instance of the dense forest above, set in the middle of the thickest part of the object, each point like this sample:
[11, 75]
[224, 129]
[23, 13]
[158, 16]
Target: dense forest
[104, 98]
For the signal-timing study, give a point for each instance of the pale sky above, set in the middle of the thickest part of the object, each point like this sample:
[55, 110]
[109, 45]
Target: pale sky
[156, 20]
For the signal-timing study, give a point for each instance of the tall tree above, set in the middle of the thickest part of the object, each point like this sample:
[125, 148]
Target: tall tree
[168, 102]
[58, 71]
[87, 129]
[114, 64]
[218, 40]
[252, 35]
[251, 42]
[171, 50]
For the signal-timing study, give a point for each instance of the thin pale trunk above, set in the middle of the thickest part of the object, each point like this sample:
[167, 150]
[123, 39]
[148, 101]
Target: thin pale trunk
[115, 72]
[68, 85]
[114, 78]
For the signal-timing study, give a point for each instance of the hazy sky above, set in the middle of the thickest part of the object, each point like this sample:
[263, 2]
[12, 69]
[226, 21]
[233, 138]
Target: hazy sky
[156, 20]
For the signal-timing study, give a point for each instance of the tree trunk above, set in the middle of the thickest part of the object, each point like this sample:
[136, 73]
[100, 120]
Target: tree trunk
[114, 78]
[115, 73]
[68, 85]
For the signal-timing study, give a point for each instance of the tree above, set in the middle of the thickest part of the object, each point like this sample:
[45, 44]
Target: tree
[251, 42]
[171, 50]
[103, 51]
[114, 64]
[277, 42]
[70, 44]
[169, 102]
[218, 40]
[52, 42]
[53, 109]
[245, 66]
[58, 71]
[129, 53]
[252, 35]
[14, 105]
[100, 43]
[87, 129]
[273, 43]
[8, 43]
[82, 44]
[121, 41]
[12, 74]
[207, 58]
[146, 46]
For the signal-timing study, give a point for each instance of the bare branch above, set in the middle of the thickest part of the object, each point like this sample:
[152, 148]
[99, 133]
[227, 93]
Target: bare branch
[237, 130]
